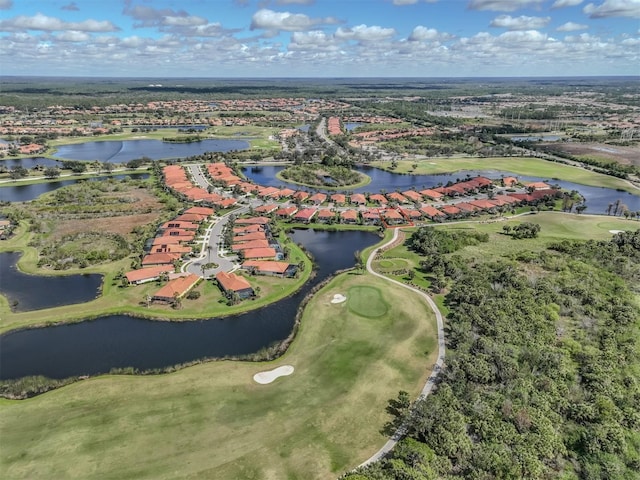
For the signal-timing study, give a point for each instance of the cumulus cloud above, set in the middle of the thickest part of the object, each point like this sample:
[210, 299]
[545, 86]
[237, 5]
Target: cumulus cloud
[166, 17]
[423, 34]
[566, 3]
[571, 27]
[502, 5]
[364, 33]
[520, 23]
[404, 2]
[73, 36]
[6, 4]
[52, 24]
[614, 8]
[266, 19]
[72, 7]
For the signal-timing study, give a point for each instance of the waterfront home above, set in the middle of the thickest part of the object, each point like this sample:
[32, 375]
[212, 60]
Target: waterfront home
[176, 288]
[397, 197]
[265, 253]
[247, 237]
[392, 217]
[318, 198]
[269, 268]
[325, 215]
[252, 221]
[412, 195]
[148, 274]
[378, 198]
[431, 194]
[349, 216]
[230, 284]
[538, 186]
[300, 196]
[338, 198]
[371, 217]
[244, 230]
[358, 199]
[509, 181]
[305, 215]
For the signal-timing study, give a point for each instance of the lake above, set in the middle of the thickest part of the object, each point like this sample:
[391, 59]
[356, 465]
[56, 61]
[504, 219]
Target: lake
[15, 192]
[29, 162]
[597, 199]
[124, 151]
[34, 292]
[119, 341]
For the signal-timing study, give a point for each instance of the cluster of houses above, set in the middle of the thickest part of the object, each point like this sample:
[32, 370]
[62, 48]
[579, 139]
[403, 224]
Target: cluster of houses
[173, 242]
[176, 179]
[260, 253]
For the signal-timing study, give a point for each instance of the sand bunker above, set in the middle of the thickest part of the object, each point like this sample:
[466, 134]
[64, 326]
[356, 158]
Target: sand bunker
[338, 298]
[269, 376]
[616, 231]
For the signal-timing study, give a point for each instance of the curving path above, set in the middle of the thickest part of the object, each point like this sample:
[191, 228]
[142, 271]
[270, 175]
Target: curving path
[402, 430]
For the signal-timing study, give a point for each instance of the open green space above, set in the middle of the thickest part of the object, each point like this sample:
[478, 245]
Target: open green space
[519, 165]
[213, 421]
[555, 226]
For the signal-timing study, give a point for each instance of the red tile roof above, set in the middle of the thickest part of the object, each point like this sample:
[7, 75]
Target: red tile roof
[266, 266]
[231, 282]
[149, 273]
[177, 287]
[253, 253]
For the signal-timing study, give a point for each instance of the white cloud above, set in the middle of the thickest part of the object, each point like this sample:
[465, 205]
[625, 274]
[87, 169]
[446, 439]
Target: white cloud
[571, 27]
[52, 24]
[71, 7]
[502, 5]
[614, 8]
[520, 23]
[265, 19]
[6, 4]
[404, 2]
[73, 36]
[422, 34]
[364, 33]
[566, 3]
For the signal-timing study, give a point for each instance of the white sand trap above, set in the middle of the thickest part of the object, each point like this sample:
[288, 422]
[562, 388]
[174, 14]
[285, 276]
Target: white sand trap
[616, 231]
[269, 376]
[338, 298]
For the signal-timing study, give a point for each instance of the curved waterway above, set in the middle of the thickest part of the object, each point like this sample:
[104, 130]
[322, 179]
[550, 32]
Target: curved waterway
[597, 199]
[124, 151]
[35, 292]
[120, 341]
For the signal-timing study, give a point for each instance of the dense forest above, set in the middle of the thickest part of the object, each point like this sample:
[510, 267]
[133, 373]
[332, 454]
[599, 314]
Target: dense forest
[542, 371]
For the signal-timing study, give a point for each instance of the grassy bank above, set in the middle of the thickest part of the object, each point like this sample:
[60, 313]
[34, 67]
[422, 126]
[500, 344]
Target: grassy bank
[212, 420]
[363, 182]
[534, 167]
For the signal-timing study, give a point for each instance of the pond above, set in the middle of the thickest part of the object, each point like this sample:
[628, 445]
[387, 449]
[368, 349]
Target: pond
[24, 193]
[597, 199]
[29, 162]
[124, 151]
[119, 341]
[34, 292]
[536, 138]
[349, 126]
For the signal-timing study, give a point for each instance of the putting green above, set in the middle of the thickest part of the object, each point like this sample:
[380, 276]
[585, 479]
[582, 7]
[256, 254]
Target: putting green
[366, 302]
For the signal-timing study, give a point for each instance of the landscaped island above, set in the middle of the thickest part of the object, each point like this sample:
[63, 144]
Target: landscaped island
[324, 176]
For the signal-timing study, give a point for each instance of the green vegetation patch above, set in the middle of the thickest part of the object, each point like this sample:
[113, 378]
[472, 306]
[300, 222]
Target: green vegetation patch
[324, 176]
[366, 302]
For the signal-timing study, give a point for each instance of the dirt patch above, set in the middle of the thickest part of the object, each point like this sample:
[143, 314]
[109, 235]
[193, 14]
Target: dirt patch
[122, 225]
[614, 153]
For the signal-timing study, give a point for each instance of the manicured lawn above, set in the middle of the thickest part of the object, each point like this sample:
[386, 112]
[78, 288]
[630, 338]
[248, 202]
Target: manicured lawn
[366, 301]
[213, 421]
[555, 226]
[520, 165]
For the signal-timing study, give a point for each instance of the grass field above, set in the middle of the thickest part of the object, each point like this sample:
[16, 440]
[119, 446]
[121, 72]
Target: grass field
[520, 165]
[213, 421]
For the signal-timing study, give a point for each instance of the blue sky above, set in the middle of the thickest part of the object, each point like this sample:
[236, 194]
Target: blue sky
[316, 38]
